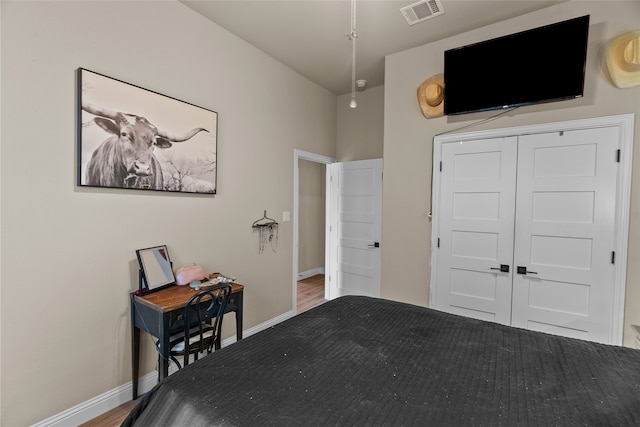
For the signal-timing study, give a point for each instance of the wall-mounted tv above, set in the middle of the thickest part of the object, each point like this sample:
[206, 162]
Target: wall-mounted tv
[543, 64]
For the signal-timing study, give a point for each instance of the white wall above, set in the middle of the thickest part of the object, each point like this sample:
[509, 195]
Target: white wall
[311, 216]
[360, 130]
[408, 139]
[68, 253]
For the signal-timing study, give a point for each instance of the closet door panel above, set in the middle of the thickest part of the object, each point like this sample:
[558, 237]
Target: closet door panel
[565, 214]
[476, 211]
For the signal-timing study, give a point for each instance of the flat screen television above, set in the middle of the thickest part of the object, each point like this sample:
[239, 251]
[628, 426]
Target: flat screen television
[540, 65]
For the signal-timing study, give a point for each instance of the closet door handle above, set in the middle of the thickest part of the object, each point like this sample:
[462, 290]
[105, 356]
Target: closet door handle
[374, 245]
[504, 268]
[523, 270]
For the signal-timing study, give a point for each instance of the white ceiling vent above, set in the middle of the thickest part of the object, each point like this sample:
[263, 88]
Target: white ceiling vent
[421, 11]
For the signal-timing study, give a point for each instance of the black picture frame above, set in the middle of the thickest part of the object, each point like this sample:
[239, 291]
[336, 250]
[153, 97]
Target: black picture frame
[133, 138]
[156, 269]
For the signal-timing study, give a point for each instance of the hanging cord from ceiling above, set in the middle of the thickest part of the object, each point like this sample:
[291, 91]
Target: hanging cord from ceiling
[352, 36]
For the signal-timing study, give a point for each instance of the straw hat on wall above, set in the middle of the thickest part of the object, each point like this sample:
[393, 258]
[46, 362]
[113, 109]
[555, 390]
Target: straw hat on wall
[431, 96]
[623, 59]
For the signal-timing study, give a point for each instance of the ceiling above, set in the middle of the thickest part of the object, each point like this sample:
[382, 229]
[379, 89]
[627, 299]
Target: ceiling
[309, 36]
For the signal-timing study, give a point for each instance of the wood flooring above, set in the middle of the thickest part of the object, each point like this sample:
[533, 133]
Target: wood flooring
[112, 418]
[310, 294]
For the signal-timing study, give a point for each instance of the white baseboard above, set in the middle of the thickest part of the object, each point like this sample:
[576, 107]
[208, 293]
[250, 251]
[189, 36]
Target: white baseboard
[309, 273]
[100, 404]
[122, 394]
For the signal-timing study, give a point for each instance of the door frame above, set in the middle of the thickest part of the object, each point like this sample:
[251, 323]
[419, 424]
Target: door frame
[316, 158]
[624, 123]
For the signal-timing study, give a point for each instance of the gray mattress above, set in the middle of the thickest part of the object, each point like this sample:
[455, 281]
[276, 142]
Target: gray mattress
[367, 361]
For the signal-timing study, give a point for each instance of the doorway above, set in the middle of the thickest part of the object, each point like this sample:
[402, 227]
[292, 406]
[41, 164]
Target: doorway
[352, 225]
[308, 161]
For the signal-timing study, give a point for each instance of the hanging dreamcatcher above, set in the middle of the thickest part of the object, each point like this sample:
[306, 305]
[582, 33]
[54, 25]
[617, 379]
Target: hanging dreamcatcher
[268, 232]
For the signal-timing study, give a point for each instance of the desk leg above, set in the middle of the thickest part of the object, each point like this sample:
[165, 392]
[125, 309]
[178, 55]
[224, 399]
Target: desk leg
[239, 316]
[135, 359]
[164, 368]
[164, 349]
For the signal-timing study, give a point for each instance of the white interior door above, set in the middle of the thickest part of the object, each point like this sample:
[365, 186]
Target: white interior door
[476, 212]
[565, 219]
[570, 218]
[355, 193]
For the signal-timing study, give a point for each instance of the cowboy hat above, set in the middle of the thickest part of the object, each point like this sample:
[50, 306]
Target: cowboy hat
[431, 96]
[623, 59]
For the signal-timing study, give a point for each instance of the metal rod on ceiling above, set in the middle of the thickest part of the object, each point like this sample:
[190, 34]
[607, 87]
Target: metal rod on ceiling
[353, 36]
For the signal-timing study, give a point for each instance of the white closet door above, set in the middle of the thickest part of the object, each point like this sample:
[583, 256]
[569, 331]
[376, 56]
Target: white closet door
[476, 225]
[565, 219]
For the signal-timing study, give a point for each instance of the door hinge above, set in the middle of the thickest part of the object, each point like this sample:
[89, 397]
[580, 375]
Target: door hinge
[618, 156]
[440, 166]
[613, 257]
[438, 242]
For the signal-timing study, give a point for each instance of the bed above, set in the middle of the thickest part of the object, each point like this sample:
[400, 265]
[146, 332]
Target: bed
[369, 361]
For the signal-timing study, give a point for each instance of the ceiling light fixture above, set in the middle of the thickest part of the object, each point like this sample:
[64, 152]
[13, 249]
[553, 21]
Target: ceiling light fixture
[352, 36]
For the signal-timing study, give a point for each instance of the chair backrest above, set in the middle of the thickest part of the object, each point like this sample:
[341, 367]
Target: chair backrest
[203, 319]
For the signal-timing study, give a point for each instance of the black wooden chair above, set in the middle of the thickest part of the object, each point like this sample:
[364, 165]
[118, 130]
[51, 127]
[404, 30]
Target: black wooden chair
[202, 318]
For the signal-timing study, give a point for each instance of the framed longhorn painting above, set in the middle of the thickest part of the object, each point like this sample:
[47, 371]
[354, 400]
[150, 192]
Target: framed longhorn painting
[134, 138]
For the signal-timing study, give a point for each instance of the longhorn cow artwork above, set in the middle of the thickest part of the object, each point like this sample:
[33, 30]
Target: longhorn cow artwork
[125, 150]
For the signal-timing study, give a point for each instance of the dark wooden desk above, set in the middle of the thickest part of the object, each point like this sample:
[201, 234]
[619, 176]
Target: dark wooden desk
[157, 313]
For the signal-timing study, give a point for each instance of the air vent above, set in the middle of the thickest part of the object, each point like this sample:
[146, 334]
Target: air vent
[421, 11]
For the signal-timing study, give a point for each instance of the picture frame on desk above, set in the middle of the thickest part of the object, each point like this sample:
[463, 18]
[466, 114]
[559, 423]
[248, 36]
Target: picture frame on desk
[156, 269]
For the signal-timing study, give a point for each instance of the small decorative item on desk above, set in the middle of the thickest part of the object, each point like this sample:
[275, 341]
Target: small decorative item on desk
[214, 279]
[187, 274]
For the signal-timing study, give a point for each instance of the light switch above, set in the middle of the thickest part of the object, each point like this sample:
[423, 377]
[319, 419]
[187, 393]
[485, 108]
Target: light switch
[286, 216]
